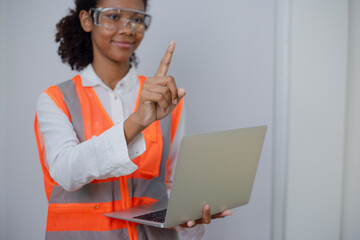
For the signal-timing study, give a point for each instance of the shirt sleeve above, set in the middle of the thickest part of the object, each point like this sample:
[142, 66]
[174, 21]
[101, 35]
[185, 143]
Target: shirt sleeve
[73, 164]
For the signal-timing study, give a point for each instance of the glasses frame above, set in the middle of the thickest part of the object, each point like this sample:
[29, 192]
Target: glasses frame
[96, 12]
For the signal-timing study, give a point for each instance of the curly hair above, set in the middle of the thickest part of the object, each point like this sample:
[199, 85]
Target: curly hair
[75, 44]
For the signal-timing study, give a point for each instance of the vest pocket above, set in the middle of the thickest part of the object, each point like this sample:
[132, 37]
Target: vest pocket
[83, 217]
[149, 162]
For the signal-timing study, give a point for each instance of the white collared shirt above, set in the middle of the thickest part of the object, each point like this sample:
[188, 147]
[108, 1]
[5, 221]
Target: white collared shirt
[73, 164]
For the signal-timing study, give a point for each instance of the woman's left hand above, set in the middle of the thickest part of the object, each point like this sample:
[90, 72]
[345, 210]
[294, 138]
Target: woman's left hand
[206, 218]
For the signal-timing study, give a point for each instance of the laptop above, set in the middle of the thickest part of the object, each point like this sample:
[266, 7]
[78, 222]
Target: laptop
[216, 168]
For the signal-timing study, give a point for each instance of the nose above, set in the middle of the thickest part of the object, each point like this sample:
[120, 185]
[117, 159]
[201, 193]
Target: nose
[125, 28]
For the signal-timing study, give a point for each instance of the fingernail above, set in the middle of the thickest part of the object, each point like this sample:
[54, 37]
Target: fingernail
[228, 212]
[175, 101]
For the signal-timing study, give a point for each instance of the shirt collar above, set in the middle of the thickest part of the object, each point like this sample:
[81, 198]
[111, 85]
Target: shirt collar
[90, 79]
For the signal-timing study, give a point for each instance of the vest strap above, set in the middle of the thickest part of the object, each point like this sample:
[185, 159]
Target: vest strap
[155, 188]
[73, 105]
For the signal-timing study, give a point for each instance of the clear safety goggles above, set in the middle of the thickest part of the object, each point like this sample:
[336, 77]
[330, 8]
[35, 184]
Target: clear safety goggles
[114, 19]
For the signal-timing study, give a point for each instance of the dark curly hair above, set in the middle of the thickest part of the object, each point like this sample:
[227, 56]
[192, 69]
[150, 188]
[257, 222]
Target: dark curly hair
[75, 44]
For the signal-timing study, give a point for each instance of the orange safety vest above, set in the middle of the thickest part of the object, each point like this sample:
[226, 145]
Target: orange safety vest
[80, 214]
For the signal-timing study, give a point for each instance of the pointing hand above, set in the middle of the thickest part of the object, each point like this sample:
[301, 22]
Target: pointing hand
[159, 95]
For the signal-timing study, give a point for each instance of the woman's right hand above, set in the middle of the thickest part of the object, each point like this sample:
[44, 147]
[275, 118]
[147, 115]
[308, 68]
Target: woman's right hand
[158, 98]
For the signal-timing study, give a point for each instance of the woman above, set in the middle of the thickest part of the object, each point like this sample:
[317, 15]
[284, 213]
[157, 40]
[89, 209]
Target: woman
[108, 138]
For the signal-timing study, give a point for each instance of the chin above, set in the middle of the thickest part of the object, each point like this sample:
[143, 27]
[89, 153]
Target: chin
[121, 58]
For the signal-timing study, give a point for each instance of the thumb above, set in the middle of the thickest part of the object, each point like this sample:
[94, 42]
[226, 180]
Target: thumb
[181, 94]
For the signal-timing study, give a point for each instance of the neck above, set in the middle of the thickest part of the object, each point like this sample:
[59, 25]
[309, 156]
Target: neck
[111, 72]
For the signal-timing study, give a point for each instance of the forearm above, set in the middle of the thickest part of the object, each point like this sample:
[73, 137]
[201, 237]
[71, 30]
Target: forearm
[101, 157]
[73, 164]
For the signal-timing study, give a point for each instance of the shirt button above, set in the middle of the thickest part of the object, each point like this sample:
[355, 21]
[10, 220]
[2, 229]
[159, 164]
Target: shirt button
[97, 207]
[116, 97]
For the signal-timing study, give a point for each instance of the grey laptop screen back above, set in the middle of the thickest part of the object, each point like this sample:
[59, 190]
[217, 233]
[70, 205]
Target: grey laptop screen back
[216, 168]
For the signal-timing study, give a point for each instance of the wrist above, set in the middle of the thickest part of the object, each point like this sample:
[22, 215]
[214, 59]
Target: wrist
[132, 127]
[138, 121]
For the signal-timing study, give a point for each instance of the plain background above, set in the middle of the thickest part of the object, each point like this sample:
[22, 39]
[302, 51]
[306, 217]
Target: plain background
[231, 56]
[224, 59]
[316, 131]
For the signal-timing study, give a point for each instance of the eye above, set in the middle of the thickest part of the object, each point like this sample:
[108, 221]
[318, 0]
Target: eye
[112, 16]
[138, 20]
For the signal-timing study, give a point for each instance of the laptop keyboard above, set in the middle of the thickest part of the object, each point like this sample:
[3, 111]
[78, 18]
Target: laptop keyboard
[158, 216]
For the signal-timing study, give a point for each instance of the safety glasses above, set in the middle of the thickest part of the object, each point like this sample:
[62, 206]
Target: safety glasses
[114, 19]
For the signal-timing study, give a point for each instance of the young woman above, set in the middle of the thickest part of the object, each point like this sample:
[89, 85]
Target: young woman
[108, 138]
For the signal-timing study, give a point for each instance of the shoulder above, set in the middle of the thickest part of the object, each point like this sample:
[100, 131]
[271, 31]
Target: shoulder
[52, 98]
[47, 108]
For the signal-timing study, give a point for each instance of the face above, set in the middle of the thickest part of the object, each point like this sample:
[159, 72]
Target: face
[115, 45]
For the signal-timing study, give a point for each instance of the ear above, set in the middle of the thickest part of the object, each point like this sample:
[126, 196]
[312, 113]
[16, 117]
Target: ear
[86, 21]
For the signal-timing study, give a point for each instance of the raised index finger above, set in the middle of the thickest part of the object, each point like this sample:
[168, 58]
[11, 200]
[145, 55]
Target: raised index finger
[165, 61]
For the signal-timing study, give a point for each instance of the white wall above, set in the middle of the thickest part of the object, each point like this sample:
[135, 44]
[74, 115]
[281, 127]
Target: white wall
[351, 190]
[31, 65]
[281, 121]
[3, 58]
[224, 59]
[317, 118]
[317, 102]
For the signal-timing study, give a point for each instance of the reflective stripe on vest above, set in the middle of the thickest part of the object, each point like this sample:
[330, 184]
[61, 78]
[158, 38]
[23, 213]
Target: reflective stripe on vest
[80, 214]
[73, 104]
[155, 188]
[118, 234]
[103, 192]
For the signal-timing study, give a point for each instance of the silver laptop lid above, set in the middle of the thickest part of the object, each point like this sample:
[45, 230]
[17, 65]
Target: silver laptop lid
[216, 168]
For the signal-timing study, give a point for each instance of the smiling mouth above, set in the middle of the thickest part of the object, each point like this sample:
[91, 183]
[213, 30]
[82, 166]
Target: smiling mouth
[123, 44]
